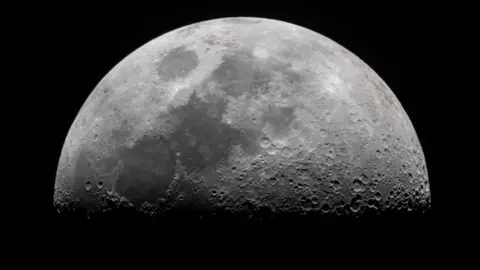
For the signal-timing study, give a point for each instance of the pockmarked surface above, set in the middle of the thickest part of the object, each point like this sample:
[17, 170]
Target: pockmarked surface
[238, 115]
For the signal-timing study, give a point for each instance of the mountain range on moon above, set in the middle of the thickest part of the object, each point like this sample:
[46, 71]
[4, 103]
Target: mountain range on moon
[246, 116]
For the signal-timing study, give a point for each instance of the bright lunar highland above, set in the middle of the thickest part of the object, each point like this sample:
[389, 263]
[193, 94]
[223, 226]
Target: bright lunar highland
[244, 116]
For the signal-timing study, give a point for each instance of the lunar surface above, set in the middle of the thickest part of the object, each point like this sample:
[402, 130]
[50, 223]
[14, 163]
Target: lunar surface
[244, 116]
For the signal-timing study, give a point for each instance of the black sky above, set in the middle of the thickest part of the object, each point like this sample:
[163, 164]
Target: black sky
[393, 40]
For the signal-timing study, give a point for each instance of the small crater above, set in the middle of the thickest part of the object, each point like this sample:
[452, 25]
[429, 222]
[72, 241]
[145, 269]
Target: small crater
[356, 204]
[322, 133]
[358, 185]
[329, 161]
[326, 207]
[88, 186]
[100, 184]
[286, 152]
[372, 186]
[197, 179]
[265, 142]
[335, 184]
[272, 150]
[385, 143]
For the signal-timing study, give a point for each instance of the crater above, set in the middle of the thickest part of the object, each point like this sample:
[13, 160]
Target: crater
[84, 171]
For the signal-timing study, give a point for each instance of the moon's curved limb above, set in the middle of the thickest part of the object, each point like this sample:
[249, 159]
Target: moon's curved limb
[240, 110]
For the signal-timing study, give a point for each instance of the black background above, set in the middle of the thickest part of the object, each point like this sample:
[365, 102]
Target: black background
[393, 40]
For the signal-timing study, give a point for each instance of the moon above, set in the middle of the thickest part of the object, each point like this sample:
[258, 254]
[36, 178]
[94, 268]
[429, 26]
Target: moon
[245, 116]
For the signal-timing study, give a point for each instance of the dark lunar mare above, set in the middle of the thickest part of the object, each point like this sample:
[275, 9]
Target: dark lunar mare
[177, 63]
[199, 141]
[209, 132]
[241, 73]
